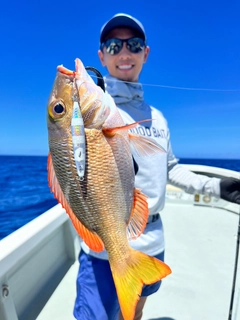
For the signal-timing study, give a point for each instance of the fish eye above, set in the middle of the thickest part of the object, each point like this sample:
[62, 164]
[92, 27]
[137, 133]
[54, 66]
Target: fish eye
[57, 110]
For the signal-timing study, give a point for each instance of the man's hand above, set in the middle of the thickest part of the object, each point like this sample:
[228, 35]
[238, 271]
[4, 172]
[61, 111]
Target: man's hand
[230, 189]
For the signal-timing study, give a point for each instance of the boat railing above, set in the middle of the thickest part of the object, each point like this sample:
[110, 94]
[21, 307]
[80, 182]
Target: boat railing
[33, 260]
[177, 195]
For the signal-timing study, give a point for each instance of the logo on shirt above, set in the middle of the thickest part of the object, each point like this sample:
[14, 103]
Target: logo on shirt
[149, 132]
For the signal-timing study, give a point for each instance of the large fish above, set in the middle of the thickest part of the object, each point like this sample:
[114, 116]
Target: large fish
[90, 171]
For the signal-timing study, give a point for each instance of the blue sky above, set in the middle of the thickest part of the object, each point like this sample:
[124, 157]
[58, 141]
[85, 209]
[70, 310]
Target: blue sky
[194, 44]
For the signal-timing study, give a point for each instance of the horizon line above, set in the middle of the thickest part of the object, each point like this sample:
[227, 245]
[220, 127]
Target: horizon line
[183, 157]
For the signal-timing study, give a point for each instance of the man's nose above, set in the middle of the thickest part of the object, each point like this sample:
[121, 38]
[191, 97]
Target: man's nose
[124, 53]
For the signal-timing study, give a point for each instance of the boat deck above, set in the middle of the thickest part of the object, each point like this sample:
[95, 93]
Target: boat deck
[200, 249]
[38, 266]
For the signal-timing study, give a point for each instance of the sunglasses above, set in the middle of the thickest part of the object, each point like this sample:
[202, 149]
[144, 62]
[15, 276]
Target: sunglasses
[114, 45]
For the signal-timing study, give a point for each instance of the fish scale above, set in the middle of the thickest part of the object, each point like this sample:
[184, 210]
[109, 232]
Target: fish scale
[97, 196]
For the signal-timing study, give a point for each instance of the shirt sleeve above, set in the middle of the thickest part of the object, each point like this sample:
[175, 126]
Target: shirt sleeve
[193, 183]
[190, 182]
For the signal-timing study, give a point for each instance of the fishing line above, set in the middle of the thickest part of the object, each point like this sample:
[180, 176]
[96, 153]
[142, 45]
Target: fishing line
[174, 87]
[235, 271]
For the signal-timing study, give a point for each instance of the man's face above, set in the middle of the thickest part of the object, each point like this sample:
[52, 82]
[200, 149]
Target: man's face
[125, 65]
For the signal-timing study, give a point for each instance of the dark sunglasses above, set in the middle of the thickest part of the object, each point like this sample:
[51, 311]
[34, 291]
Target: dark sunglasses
[114, 45]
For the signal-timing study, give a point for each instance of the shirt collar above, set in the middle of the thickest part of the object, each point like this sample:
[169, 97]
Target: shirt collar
[123, 92]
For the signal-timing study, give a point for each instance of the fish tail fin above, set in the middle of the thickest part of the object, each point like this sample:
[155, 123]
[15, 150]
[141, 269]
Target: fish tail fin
[130, 277]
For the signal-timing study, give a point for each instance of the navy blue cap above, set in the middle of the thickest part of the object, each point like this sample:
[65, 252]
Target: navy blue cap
[122, 20]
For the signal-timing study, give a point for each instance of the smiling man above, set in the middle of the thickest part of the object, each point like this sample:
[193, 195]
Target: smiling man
[123, 51]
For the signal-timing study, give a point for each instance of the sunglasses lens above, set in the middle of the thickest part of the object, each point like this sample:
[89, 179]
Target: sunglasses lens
[113, 46]
[135, 45]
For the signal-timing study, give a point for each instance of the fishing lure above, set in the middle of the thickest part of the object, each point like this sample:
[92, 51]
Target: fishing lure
[78, 134]
[77, 126]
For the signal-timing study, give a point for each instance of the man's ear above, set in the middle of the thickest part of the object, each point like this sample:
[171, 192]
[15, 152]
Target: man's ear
[146, 53]
[101, 57]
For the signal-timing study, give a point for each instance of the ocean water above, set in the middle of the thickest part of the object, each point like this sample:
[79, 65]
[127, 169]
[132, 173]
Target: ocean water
[24, 191]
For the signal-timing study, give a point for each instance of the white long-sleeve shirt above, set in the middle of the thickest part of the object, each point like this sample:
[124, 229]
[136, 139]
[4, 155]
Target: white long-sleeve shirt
[155, 170]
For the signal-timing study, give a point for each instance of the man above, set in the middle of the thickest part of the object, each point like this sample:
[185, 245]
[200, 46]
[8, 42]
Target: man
[123, 50]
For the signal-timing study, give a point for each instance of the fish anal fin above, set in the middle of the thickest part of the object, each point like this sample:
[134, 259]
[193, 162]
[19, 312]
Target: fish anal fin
[144, 146]
[91, 239]
[130, 277]
[139, 215]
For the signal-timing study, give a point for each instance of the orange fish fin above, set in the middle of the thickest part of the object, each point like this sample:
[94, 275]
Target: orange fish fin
[113, 131]
[139, 216]
[129, 278]
[144, 146]
[90, 238]
[65, 71]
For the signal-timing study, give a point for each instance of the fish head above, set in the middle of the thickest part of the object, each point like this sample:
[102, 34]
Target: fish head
[69, 86]
[60, 106]
[94, 103]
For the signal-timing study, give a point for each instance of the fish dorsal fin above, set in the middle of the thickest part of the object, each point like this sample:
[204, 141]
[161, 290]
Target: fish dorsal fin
[143, 146]
[91, 239]
[139, 216]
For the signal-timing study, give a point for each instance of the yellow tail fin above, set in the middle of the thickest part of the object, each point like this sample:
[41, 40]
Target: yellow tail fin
[130, 276]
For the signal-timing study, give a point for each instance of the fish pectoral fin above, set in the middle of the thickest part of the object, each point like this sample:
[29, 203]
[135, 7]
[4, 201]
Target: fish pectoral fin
[144, 146]
[91, 239]
[139, 215]
[130, 276]
[112, 131]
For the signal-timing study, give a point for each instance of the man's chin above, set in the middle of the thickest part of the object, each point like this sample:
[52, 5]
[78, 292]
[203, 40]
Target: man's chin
[126, 78]
[126, 75]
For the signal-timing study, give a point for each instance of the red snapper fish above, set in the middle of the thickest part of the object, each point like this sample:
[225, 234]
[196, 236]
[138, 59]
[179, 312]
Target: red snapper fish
[91, 173]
